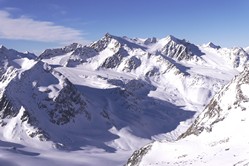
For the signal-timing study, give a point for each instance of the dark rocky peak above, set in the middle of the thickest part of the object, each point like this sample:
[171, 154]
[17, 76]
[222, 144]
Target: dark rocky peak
[13, 54]
[72, 47]
[80, 55]
[2, 48]
[150, 41]
[84, 51]
[108, 35]
[101, 44]
[49, 53]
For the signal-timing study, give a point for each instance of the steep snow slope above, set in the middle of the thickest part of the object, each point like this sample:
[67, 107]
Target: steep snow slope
[218, 135]
[35, 102]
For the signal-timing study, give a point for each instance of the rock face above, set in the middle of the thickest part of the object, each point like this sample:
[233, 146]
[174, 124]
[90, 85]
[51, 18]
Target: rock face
[137, 156]
[179, 49]
[80, 55]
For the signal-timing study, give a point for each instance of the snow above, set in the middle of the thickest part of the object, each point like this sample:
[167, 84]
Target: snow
[144, 96]
[127, 141]
[247, 49]
[223, 139]
[224, 145]
[245, 89]
[211, 45]
[31, 156]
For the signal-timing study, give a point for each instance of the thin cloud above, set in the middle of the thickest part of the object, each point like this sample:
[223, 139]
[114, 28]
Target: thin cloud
[11, 9]
[58, 9]
[24, 28]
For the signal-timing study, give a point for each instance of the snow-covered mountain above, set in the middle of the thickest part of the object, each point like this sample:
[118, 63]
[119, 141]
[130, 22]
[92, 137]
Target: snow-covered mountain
[35, 97]
[108, 98]
[218, 135]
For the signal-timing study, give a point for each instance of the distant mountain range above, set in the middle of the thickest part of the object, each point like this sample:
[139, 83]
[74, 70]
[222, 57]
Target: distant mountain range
[118, 94]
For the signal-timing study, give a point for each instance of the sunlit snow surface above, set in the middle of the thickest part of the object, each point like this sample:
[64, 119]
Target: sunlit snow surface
[222, 136]
[161, 96]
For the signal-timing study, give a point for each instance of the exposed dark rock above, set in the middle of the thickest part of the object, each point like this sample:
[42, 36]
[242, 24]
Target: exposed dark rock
[138, 155]
[101, 44]
[132, 63]
[6, 108]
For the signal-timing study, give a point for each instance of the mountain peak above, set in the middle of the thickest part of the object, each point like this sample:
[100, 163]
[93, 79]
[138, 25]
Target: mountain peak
[172, 38]
[150, 40]
[2, 47]
[212, 45]
[73, 46]
[168, 39]
[108, 35]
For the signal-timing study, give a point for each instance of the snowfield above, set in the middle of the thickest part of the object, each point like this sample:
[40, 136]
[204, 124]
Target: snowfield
[97, 104]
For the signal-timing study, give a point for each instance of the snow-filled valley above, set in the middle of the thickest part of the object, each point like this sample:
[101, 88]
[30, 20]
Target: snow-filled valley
[97, 104]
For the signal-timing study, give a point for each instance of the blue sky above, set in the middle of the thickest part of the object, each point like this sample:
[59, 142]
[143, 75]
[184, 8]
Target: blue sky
[38, 24]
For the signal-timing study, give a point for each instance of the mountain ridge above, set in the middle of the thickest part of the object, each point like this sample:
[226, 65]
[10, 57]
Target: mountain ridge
[128, 91]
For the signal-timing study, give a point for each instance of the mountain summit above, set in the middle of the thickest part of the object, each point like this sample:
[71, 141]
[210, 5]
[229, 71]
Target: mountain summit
[212, 45]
